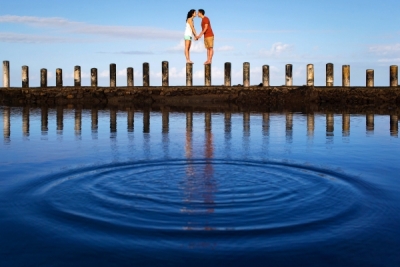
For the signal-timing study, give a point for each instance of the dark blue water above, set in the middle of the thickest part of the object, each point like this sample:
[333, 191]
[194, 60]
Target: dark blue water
[110, 187]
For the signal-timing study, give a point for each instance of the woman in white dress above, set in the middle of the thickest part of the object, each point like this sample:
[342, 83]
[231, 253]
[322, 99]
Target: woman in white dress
[190, 31]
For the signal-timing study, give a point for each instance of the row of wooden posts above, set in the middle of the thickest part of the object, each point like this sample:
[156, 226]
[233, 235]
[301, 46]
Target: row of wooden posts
[189, 75]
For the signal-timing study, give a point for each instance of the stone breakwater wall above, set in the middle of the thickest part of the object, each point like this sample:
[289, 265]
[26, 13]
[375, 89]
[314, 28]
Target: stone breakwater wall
[203, 95]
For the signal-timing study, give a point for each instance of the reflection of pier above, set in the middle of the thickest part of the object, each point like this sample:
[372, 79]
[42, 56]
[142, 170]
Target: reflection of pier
[46, 116]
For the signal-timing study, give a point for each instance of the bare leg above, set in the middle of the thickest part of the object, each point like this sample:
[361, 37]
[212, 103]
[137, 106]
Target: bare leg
[188, 44]
[210, 53]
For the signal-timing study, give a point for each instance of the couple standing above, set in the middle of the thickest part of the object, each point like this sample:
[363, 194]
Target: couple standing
[206, 31]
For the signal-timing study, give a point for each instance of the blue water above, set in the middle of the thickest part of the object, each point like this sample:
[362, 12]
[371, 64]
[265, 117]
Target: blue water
[82, 187]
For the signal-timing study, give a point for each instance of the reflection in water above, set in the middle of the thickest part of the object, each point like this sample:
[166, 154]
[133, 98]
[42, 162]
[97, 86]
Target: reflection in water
[60, 119]
[25, 121]
[330, 124]
[289, 127]
[345, 124]
[131, 118]
[227, 133]
[165, 120]
[146, 121]
[78, 121]
[310, 125]
[6, 123]
[394, 125]
[189, 135]
[113, 121]
[370, 123]
[209, 169]
[265, 124]
[246, 123]
[44, 112]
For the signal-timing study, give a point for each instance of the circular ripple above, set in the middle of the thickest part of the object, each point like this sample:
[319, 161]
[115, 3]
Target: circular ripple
[199, 200]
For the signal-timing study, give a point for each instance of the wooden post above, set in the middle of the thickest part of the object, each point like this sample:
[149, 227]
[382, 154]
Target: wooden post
[130, 77]
[43, 78]
[165, 73]
[346, 75]
[113, 75]
[146, 74]
[189, 74]
[265, 75]
[289, 75]
[370, 78]
[394, 71]
[329, 74]
[59, 78]
[228, 74]
[93, 77]
[6, 74]
[25, 77]
[310, 75]
[246, 74]
[77, 76]
[207, 75]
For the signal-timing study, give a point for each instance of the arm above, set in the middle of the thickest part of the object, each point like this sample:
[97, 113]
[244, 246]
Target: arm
[202, 33]
[192, 26]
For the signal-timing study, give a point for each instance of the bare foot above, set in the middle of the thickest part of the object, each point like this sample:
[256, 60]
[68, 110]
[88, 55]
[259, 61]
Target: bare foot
[189, 61]
[207, 62]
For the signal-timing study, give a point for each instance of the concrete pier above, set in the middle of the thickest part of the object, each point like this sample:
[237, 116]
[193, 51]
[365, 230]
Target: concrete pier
[130, 77]
[165, 73]
[43, 78]
[329, 74]
[25, 77]
[265, 75]
[228, 74]
[289, 75]
[59, 78]
[146, 74]
[6, 74]
[345, 124]
[246, 74]
[394, 73]
[370, 122]
[113, 75]
[207, 75]
[370, 78]
[77, 76]
[93, 77]
[346, 75]
[189, 74]
[310, 75]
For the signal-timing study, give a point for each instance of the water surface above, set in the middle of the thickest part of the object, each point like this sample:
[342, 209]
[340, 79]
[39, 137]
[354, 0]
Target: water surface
[131, 187]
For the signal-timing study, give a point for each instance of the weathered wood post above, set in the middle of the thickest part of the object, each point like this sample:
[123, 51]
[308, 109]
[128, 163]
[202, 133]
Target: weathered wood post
[310, 75]
[130, 77]
[25, 77]
[346, 75]
[113, 120]
[146, 74]
[289, 75]
[60, 119]
[25, 120]
[59, 78]
[207, 75]
[246, 74]
[189, 74]
[394, 72]
[165, 73]
[131, 119]
[228, 74]
[93, 77]
[265, 75]
[370, 122]
[329, 74]
[394, 125]
[6, 74]
[43, 78]
[77, 76]
[370, 78]
[345, 124]
[113, 75]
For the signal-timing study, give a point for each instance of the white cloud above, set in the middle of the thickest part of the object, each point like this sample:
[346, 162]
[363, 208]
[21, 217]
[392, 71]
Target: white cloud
[225, 48]
[276, 50]
[196, 47]
[389, 60]
[130, 32]
[8, 37]
[383, 50]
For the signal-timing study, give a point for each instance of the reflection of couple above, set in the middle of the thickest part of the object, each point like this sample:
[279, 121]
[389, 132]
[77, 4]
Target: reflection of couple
[206, 31]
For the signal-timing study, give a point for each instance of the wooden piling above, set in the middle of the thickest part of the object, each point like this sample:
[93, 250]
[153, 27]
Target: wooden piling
[370, 78]
[130, 77]
[59, 78]
[113, 75]
[329, 74]
[394, 70]
[228, 74]
[346, 75]
[289, 75]
[207, 75]
[265, 75]
[246, 74]
[6, 74]
[146, 74]
[93, 77]
[189, 74]
[310, 75]
[25, 77]
[43, 78]
[165, 73]
[77, 76]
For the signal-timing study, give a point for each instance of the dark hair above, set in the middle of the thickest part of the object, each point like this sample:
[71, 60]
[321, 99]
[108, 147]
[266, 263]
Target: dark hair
[202, 11]
[190, 14]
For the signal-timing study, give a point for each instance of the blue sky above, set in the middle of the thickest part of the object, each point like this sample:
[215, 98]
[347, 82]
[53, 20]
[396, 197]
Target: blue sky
[61, 34]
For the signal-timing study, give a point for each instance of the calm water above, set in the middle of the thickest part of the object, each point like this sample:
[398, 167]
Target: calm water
[138, 187]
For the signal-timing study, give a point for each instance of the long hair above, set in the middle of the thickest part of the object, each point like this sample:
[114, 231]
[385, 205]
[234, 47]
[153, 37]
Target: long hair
[190, 14]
